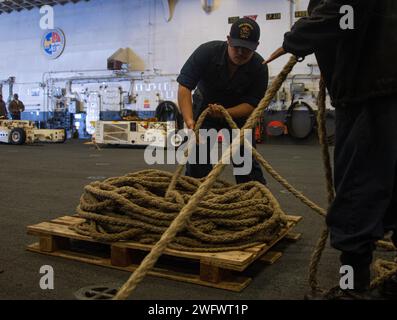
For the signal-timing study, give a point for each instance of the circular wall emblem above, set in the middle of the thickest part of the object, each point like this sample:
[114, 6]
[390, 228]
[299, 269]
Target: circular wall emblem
[53, 43]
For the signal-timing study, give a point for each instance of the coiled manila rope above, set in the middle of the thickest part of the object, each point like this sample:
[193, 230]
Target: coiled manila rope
[133, 207]
[322, 134]
[385, 270]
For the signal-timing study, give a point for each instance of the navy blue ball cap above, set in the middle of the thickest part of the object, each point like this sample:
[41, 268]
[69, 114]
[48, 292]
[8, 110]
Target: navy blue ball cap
[245, 33]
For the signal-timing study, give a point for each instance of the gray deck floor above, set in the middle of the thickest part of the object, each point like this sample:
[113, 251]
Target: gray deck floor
[42, 182]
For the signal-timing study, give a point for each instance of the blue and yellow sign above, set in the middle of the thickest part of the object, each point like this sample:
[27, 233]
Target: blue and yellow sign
[53, 43]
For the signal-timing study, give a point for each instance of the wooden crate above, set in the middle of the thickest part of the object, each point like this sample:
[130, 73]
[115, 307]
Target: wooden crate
[222, 270]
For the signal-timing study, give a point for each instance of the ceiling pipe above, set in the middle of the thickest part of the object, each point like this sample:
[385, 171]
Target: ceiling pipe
[291, 13]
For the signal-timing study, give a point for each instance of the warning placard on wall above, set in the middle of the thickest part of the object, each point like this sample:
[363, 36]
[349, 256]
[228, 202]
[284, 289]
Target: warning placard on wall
[273, 16]
[301, 14]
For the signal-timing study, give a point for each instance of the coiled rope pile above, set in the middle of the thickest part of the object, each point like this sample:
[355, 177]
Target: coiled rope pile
[109, 196]
[134, 207]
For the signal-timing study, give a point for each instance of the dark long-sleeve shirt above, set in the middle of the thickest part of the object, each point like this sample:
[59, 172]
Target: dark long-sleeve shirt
[3, 109]
[16, 107]
[358, 63]
[207, 70]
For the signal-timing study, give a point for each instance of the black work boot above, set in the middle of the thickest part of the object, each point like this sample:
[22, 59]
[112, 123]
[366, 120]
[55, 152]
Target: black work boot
[360, 291]
[337, 293]
[361, 281]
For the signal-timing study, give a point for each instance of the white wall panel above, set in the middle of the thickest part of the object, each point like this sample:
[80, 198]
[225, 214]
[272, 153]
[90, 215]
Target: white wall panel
[95, 29]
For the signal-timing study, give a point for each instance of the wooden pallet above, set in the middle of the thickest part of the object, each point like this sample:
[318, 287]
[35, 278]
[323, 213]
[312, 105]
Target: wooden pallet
[222, 270]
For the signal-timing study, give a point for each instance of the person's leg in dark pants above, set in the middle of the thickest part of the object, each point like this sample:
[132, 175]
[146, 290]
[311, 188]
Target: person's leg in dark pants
[365, 162]
[202, 170]
[389, 287]
[390, 220]
[197, 169]
[255, 174]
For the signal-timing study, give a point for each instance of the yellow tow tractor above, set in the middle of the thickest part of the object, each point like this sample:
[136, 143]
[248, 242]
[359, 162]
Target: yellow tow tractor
[19, 132]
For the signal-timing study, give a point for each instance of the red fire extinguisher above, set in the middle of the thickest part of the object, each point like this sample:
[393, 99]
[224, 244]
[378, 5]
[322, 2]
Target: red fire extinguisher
[258, 135]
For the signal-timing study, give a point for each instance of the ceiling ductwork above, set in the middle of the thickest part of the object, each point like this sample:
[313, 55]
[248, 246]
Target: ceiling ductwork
[8, 6]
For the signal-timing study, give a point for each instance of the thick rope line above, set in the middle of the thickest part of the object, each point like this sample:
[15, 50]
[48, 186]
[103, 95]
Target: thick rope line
[387, 245]
[385, 270]
[224, 217]
[180, 221]
[322, 134]
[261, 160]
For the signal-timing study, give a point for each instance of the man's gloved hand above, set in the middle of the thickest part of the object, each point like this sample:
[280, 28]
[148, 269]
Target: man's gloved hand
[275, 55]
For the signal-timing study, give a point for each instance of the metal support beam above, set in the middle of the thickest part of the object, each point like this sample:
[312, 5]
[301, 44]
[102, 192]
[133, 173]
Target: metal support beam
[8, 6]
